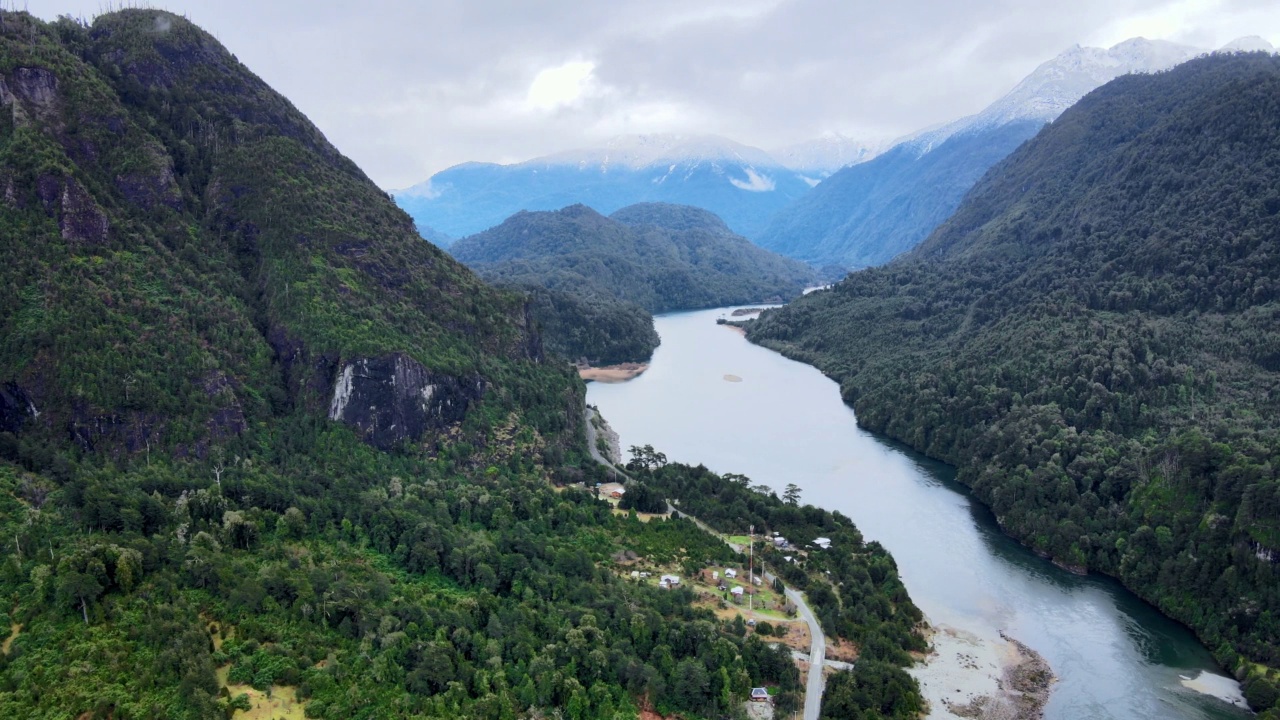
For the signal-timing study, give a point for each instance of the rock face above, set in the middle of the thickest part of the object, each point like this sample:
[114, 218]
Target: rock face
[15, 408]
[394, 398]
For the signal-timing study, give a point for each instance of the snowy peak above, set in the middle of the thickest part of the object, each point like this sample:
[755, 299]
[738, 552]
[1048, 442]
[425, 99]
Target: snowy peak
[823, 155]
[637, 152]
[1059, 83]
[1251, 43]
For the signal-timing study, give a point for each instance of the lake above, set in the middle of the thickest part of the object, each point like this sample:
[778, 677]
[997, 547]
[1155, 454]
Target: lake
[711, 397]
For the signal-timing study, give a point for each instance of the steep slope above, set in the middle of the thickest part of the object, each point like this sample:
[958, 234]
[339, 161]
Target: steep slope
[660, 257]
[1092, 339]
[173, 224]
[739, 183]
[263, 449]
[866, 214]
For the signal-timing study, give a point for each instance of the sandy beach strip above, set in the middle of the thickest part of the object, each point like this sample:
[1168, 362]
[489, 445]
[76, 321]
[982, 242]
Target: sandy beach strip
[612, 373]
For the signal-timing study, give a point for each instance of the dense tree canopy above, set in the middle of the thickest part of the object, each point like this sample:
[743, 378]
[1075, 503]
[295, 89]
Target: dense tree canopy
[1093, 340]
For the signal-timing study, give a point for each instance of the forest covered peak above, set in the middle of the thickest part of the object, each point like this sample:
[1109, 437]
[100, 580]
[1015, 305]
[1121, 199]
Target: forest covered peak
[1160, 147]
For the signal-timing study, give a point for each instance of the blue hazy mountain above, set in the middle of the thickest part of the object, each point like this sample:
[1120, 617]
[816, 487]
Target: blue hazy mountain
[743, 185]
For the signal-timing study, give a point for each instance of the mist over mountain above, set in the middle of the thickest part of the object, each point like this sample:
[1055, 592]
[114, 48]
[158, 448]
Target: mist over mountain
[870, 212]
[741, 184]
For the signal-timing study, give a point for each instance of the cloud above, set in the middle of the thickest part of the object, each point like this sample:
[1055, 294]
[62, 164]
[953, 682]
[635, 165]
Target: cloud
[755, 182]
[559, 86]
[408, 89]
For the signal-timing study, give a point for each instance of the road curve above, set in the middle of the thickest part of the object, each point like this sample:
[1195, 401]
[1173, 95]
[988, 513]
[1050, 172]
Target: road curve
[595, 451]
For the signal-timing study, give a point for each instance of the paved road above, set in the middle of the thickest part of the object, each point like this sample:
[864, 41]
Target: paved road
[817, 657]
[818, 646]
[595, 451]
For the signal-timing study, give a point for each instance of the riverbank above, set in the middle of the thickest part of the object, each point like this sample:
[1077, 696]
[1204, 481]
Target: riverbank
[967, 676]
[612, 373]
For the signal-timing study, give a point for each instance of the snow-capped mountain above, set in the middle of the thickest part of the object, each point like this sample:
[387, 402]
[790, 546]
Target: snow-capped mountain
[866, 214]
[821, 156]
[636, 152]
[1059, 83]
[1251, 43]
[740, 183]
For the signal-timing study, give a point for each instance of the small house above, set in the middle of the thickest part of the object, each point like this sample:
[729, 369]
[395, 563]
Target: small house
[635, 574]
[669, 580]
[822, 542]
[779, 542]
[731, 573]
[736, 592]
[715, 574]
[760, 695]
[755, 580]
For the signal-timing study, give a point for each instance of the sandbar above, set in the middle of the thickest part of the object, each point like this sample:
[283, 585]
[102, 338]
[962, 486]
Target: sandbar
[612, 373]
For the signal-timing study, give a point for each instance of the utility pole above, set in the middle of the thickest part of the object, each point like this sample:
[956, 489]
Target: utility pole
[751, 567]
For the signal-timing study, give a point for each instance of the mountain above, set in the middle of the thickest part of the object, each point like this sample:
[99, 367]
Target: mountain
[658, 256]
[263, 450]
[866, 214]
[818, 158]
[1093, 339]
[739, 183]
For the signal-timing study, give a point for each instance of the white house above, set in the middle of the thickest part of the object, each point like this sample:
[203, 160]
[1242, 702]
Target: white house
[736, 592]
[822, 542]
[731, 573]
[669, 580]
[759, 695]
[780, 542]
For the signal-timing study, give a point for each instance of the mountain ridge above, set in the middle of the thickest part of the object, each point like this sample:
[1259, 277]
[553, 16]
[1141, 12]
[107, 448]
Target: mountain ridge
[858, 219]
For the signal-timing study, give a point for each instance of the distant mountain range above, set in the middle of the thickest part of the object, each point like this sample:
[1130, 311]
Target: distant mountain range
[867, 213]
[743, 185]
[870, 200]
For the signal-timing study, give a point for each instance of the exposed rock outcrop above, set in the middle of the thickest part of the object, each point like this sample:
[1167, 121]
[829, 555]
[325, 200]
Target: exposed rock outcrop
[82, 221]
[15, 408]
[394, 398]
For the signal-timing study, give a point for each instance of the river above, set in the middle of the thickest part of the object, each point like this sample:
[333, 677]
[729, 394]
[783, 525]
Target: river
[711, 397]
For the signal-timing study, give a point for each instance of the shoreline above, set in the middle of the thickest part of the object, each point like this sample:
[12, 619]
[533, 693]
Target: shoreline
[612, 373]
[976, 678]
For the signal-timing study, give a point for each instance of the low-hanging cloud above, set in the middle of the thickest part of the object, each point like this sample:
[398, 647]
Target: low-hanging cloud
[755, 182]
[407, 89]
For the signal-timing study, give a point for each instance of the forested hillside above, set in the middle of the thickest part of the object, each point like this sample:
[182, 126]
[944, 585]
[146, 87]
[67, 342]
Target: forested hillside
[600, 272]
[1094, 340]
[661, 257]
[600, 330]
[258, 438]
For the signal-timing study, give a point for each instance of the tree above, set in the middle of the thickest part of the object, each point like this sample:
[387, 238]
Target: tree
[792, 494]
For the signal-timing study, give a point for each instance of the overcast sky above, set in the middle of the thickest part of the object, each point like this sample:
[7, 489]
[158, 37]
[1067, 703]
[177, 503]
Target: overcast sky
[409, 88]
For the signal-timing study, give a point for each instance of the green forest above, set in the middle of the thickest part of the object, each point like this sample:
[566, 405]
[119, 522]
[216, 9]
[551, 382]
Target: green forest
[203, 500]
[1093, 339]
[652, 256]
[853, 587]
